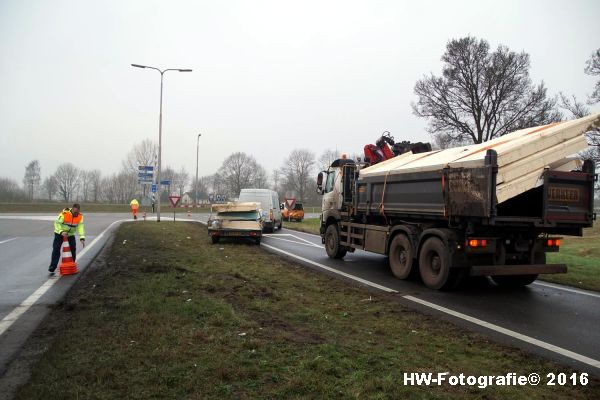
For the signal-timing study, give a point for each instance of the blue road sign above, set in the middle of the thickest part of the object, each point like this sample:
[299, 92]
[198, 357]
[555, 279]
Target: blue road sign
[166, 182]
[146, 175]
[154, 188]
[147, 168]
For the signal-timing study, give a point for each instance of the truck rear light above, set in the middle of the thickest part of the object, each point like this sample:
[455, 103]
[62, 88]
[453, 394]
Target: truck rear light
[476, 242]
[270, 214]
[553, 243]
[252, 233]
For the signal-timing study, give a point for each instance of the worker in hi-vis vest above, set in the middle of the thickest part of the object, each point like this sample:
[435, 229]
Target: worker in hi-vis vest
[134, 207]
[67, 224]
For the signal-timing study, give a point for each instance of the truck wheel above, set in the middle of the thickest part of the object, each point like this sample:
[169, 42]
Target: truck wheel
[257, 241]
[215, 239]
[401, 257]
[280, 224]
[434, 264]
[520, 280]
[332, 242]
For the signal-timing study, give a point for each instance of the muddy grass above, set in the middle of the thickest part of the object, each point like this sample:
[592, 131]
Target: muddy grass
[168, 315]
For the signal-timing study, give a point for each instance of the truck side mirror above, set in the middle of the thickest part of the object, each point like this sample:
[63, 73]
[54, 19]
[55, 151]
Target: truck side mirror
[281, 206]
[320, 183]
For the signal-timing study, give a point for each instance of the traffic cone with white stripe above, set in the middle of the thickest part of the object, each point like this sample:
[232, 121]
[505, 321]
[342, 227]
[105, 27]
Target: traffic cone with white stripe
[67, 265]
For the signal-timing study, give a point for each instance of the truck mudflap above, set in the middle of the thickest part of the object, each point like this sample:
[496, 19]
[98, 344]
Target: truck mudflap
[524, 269]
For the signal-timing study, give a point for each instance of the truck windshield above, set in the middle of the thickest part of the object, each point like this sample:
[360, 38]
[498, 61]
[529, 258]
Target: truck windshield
[240, 216]
[330, 181]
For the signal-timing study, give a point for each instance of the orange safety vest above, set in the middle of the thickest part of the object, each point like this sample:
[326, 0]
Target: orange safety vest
[66, 222]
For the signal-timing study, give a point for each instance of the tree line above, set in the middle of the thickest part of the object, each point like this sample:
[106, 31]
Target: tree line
[238, 171]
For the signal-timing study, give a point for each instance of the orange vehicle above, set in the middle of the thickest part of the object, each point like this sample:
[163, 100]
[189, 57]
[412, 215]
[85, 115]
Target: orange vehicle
[296, 214]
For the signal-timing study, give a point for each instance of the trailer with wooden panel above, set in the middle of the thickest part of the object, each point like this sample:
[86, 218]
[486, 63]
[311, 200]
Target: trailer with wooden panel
[493, 209]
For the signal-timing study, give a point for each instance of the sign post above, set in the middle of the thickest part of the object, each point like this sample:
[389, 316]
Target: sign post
[174, 200]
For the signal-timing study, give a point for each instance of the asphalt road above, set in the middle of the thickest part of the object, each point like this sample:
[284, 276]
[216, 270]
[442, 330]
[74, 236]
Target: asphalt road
[554, 321]
[26, 291]
[550, 320]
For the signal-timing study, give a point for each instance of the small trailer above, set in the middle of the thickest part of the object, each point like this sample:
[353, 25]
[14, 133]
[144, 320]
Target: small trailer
[493, 209]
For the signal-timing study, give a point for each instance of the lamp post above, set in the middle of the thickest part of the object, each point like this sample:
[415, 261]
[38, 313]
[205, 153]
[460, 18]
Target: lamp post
[196, 183]
[160, 128]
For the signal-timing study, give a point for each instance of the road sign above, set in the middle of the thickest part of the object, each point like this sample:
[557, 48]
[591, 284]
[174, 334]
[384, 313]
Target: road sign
[154, 188]
[147, 168]
[165, 183]
[174, 200]
[290, 202]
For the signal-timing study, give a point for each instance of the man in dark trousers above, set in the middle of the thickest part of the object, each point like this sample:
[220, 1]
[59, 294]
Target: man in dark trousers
[69, 222]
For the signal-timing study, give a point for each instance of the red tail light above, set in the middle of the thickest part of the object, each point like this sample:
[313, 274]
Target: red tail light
[476, 242]
[553, 243]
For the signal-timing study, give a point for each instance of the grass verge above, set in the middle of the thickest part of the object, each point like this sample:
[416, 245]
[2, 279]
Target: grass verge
[309, 225]
[169, 315]
[581, 254]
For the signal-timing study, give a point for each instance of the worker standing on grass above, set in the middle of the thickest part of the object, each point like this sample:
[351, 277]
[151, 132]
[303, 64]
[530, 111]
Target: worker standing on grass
[134, 207]
[69, 222]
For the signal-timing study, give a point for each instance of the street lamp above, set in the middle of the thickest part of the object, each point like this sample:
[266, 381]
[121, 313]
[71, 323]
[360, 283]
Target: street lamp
[196, 185]
[160, 128]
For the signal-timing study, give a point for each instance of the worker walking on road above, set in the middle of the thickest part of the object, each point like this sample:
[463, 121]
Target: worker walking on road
[134, 207]
[68, 223]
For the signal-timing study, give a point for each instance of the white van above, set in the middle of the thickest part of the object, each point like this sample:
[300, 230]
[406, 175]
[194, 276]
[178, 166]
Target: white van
[269, 203]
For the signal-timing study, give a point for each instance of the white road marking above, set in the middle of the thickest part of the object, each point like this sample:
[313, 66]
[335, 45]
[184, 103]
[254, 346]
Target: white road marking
[8, 240]
[567, 289]
[16, 313]
[29, 217]
[293, 241]
[508, 332]
[547, 346]
[335, 271]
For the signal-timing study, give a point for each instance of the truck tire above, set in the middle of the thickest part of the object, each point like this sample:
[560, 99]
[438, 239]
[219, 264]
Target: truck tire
[434, 264]
[332, 242]
[257, 241]
[215, 239]
[280, 224]
[520, 280]
[401, 256]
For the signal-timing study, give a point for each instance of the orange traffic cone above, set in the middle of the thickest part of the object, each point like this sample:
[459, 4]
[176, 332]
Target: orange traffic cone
[67, 265]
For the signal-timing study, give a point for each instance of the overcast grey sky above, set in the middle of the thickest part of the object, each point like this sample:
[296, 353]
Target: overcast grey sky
[269, 76]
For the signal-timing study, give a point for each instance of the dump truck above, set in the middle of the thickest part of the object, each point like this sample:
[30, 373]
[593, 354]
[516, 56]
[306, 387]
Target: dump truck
[491, 209]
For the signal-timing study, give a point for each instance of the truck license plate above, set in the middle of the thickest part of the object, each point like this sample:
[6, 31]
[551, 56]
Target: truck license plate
[564, 194]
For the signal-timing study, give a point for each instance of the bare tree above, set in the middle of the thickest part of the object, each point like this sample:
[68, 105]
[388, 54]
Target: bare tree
[67, 177]
[240, 171]
[481, 94]
[180, 180]
[326, 158]
[50, 186]
[297, 170]
[143, 153]
[119, 188]
[592, 67]
[95, 178]
[32, 178]
[10, 191]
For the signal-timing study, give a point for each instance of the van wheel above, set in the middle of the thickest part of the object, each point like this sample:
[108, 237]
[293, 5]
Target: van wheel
[401, 256]
[434, 264]
[332, 242]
